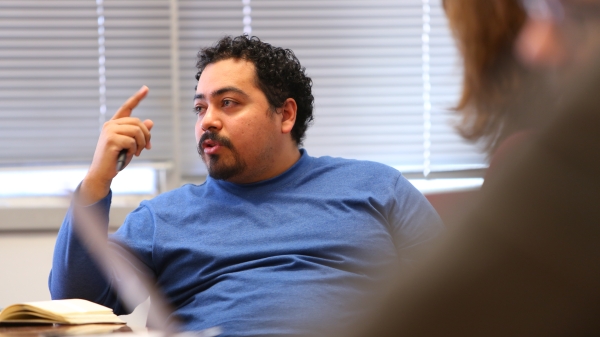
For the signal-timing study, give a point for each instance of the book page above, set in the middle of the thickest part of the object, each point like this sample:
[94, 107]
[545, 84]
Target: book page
[71, 307]
[71, 311]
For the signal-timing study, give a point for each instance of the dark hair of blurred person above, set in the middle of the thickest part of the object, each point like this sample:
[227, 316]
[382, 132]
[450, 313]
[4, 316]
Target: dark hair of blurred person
[485, 33]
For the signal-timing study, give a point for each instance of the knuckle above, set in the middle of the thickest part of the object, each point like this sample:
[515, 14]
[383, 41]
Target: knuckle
[111, 138]
[131, 141]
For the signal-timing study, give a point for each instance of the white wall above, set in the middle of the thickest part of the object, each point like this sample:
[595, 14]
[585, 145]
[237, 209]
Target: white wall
[25, 262]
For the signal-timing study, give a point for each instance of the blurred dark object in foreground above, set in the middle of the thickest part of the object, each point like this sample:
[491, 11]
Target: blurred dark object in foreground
[525, 261]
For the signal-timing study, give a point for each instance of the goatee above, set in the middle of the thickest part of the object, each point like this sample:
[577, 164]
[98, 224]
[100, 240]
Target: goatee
[218, 167]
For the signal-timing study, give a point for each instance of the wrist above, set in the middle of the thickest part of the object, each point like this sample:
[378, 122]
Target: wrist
[92, 190]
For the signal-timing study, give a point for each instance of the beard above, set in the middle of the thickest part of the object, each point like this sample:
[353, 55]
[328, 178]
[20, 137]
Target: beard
[219, 167]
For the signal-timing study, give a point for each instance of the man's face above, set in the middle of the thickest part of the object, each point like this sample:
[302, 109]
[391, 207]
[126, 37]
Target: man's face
[563, 35]
[236, 130]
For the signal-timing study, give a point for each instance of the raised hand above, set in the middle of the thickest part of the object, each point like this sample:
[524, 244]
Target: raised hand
[121, 132]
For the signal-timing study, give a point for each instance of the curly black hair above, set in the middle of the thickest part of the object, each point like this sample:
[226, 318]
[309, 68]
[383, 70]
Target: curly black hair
[278, 73]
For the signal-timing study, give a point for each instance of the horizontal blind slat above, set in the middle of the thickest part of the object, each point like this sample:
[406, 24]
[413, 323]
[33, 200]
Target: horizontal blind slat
[49, 81]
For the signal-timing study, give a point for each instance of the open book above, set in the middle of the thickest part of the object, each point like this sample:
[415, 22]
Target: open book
[71, 311]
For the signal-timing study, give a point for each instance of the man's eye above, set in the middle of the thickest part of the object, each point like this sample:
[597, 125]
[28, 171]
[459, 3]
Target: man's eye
[198, 110]
[228, 103]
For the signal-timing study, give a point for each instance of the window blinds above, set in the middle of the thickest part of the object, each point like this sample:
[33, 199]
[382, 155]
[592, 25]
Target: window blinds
[372, 64]
[365, 61]
[137, 40]
[385, 74]
[48, 81]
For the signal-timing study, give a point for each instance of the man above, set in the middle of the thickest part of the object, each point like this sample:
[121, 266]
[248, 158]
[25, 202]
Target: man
[525, 262]
[275, 242]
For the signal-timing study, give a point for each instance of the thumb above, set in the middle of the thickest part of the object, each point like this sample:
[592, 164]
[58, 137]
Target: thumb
[149, 124]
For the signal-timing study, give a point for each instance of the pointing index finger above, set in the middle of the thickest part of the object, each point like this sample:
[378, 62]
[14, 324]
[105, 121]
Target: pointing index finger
[127, 107]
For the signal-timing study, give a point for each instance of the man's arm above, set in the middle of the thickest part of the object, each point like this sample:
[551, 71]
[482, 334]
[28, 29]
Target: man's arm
[74, 273]
[415, 222]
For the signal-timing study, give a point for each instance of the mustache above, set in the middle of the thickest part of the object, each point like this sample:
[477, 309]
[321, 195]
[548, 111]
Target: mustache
[224, 141]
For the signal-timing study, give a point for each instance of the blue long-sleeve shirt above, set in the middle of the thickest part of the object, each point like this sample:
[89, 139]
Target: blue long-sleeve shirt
[275, 257]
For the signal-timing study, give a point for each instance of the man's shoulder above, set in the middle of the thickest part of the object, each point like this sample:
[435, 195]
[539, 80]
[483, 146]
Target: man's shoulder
[177, 195]
[355, 166]
[353, 174]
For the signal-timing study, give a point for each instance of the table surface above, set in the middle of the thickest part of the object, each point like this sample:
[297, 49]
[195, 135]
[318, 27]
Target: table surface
[49, 330]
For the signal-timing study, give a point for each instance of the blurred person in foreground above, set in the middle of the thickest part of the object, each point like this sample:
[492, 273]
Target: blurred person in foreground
[496, 83]
[275, 242]
[510, 62]
[525, 261]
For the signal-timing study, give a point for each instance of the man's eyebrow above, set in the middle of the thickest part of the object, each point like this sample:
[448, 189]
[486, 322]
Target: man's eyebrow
[222, 91]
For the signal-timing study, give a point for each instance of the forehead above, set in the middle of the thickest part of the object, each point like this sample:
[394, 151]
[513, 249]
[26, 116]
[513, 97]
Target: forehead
[225, 73]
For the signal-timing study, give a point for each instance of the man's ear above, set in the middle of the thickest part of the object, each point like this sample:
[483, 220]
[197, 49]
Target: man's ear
[288, 115]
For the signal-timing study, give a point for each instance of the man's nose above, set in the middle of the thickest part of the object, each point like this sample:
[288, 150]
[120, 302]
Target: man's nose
[211, 120]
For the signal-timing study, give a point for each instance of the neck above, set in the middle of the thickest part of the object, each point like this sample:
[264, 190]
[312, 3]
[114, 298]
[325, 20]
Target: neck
[272, 164]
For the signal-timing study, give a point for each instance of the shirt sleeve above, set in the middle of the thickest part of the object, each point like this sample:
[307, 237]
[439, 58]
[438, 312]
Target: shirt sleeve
[415, 223]
[74, 272]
